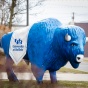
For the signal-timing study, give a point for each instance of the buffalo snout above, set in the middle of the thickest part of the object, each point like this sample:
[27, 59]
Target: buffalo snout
[79, 58]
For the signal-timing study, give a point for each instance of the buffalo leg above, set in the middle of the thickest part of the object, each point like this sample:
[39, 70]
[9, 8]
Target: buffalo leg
[38, 73]
[9, 70]
[53, 76]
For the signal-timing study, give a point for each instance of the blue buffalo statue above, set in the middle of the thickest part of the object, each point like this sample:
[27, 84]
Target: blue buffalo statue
[50, 45]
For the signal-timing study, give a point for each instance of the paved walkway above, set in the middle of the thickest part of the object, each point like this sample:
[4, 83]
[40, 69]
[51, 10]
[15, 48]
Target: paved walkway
[82, 67]
[60, 76]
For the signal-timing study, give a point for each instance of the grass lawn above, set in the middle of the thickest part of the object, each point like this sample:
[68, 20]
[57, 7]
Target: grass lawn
[46, 84]
[22, 67]
[86, 59]
[69, 70]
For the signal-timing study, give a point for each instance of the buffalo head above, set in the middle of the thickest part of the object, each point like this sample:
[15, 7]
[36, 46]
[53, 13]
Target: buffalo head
[71, 42]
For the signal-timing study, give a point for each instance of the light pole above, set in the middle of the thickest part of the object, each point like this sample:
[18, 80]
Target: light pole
[27, 12]
[73, 18]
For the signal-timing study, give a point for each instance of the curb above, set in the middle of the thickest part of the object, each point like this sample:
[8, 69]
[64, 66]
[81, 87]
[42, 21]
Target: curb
[60, 76]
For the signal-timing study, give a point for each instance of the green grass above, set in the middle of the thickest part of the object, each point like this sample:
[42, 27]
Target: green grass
[68, 70]
[86, 60]
[22, 67]
[46, 84]
[2, 54]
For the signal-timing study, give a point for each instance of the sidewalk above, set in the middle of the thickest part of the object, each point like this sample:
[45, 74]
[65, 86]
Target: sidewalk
[82, 67]
[60, 76]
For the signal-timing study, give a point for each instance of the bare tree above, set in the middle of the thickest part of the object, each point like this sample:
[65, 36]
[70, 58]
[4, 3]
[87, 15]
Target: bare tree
[12, 7]
[2, 10]
[35, 3]
[11, 11]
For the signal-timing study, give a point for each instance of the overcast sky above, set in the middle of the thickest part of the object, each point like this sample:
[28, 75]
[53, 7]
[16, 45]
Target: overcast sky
[62, 10]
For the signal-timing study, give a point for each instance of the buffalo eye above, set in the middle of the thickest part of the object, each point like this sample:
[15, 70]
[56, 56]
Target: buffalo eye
[73, 44]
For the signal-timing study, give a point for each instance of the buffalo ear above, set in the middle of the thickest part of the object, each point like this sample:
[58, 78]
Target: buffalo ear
[86, 39]
[67, 37]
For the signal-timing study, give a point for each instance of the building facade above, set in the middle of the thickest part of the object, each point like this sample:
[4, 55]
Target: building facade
[85, 27]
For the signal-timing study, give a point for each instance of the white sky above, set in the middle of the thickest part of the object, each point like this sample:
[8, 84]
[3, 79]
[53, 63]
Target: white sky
[62, 10]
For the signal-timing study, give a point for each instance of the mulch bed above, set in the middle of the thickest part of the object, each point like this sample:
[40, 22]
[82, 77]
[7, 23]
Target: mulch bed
[21, 67]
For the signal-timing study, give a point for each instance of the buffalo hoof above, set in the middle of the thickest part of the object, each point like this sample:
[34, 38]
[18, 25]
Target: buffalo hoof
[39, 82]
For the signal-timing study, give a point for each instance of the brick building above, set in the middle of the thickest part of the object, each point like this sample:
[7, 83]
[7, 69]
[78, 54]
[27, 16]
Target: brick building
[85, 27]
